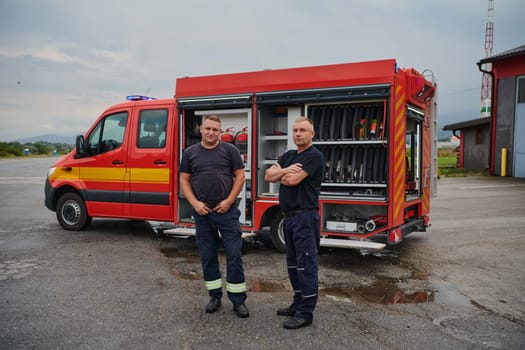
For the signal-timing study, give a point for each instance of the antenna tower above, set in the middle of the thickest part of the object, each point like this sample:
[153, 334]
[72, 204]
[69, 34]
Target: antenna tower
[486, 80]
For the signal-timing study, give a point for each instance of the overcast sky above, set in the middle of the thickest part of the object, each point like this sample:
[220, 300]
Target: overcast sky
[62, 62]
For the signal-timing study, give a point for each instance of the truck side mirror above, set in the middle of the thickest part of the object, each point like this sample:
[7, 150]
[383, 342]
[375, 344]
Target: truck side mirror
[80, 147]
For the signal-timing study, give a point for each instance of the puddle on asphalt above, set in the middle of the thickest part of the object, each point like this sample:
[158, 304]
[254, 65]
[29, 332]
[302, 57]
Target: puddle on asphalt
[266, 286]
[448, 293]
[191, 275]
[385, 291]
[186, 265]
[177, 253]
[383, 253]
[182, 264]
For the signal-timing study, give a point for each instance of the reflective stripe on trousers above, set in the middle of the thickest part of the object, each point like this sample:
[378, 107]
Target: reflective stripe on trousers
[215, 284]
[208, 242]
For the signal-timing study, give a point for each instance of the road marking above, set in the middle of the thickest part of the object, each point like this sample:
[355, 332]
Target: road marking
[6, 180]
[491, 186]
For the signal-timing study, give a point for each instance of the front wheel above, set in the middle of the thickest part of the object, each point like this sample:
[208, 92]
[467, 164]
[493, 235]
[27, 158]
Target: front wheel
[71, 212]
[277, 231]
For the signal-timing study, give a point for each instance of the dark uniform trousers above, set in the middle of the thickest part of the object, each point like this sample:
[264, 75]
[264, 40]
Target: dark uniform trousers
[302, 237]
[208, 241]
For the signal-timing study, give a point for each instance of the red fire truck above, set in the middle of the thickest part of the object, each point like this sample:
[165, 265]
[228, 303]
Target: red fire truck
[374, 122]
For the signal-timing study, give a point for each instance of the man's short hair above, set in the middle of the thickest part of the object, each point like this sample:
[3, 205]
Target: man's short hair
[213, 117]
[304, 119]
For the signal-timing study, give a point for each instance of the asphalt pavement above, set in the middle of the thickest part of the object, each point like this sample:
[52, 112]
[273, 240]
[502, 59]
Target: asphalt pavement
[118, 285]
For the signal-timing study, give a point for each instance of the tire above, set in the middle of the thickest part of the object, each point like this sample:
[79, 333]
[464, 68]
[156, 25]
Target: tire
[71, 212]
[277, 232]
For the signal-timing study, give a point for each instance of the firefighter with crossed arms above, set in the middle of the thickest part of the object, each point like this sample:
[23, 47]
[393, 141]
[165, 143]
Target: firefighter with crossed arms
[300, 173]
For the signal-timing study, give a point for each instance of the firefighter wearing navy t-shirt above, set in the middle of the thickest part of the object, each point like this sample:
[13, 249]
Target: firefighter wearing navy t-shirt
[300, 173]
[211, 178]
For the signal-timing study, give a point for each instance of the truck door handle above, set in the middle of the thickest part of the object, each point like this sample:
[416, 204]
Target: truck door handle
[159, 162]
[117, 162]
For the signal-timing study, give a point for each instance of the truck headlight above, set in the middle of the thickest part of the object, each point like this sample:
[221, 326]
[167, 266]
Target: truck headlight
[50, 172]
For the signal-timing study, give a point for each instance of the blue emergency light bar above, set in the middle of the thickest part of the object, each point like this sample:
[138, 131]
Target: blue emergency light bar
[139, 98]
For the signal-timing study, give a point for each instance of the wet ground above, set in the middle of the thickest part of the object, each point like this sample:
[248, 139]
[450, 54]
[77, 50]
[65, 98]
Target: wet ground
[380, 277]
[119, 285]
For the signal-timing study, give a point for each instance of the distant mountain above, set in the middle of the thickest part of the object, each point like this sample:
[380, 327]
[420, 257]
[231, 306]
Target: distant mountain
[70, 140]
[442, 134]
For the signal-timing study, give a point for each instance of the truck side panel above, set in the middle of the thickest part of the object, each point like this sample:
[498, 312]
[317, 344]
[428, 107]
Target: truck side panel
[150, 162]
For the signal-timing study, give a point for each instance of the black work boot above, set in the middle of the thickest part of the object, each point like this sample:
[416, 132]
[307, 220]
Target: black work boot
[287, 311]
[296, 322]
[241, 310]
[213, 305]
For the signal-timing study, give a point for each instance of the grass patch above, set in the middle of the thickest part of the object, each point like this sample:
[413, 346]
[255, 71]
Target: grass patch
[447, 162]
[457, 172]
[447, 158]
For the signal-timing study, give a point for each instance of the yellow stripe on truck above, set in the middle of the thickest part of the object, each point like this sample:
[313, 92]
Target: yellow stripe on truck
[161, 176]
[103, 174]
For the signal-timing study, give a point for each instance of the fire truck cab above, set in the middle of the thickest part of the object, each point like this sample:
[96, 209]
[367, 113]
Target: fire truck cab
[374, 123]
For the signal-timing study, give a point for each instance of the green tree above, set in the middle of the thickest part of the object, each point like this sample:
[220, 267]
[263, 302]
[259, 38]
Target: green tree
[41, 147]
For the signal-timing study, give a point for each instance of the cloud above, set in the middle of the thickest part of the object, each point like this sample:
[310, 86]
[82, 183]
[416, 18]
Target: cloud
[74, 59]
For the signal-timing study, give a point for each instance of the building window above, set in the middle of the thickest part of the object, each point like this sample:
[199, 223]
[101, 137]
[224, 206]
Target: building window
[521, 90]
[479, 136]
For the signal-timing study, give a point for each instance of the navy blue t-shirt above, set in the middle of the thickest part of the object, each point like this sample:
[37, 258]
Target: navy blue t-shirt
[211, 170]
[306, 194]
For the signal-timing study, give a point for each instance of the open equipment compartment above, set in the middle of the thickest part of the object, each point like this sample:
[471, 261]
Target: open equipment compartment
[275, 137]
[236, 122]
[353, 137]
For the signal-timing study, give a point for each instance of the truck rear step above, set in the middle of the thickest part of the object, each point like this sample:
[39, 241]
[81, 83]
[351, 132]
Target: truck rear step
[325, 242]
[190, 232]
[353, 244]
